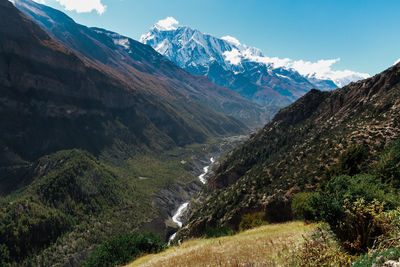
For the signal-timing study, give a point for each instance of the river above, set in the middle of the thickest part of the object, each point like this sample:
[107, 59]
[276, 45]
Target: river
[178, 214]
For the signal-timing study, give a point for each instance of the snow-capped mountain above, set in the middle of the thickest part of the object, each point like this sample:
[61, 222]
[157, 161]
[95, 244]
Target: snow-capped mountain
[243, 69]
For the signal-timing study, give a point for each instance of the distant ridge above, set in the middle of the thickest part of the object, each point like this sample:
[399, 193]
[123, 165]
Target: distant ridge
[243, 69]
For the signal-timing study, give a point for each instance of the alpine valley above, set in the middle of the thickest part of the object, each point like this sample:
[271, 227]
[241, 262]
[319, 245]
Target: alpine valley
[184, 149]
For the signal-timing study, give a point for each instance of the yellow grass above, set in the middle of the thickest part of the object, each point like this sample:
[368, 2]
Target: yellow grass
[270, 245]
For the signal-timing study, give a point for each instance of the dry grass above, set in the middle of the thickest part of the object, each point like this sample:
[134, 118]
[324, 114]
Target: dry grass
[270, 245]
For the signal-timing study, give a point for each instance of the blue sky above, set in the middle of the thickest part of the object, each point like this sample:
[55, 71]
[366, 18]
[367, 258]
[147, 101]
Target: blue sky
[364, 34]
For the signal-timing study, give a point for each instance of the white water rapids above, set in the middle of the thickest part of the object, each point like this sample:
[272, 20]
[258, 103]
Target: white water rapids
[178, 214]
[205, 171]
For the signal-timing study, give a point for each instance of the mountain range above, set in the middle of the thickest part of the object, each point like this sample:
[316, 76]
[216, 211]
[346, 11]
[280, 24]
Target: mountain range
[103, 135]
[140, 65]
[294, 151]
[243, 69]
[90, 135]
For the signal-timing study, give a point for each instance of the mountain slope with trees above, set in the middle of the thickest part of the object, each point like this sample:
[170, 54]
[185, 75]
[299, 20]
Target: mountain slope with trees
[84, 151]
[142, 67]
[294, 152]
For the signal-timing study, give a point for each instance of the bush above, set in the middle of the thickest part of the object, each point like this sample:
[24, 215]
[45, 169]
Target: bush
[387, 169]
[329, 201]
[123, 249]
[354, 208]
[27, 227]
[363, 224]
[350, 163]
[321, 249]
[4, 256]
[278, 210]
[251, 221]
[378, 258]
[302, 206]
[218, 232]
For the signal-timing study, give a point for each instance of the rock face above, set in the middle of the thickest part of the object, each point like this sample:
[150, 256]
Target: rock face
[228, 63]
[291, 153]
[141, 67]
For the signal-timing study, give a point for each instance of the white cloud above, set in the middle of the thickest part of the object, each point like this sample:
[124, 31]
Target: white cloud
[321, 69]
[398, 61]
[231, 40]
[167, 24]
[80, 6]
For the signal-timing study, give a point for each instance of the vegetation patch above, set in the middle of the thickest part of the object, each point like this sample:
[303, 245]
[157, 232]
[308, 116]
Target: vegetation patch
[124, 248]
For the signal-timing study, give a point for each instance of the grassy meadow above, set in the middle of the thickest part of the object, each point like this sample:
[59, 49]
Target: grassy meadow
[268, 245]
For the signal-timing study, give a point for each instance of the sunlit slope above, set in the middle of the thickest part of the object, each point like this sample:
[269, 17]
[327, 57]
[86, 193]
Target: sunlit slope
[270, 245]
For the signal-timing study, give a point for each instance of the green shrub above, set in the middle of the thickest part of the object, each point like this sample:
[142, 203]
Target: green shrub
[378, 258]
[353, 207]
[302, 206]
[329, 201]
[4, 256]
[218, 232]
[251, 220]
[387, 169]
[26, 227]
[320, 248]
[350, 163]
[363, 224]
[123, 249]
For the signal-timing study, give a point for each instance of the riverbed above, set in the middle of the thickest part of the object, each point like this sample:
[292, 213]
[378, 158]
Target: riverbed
[177, 218]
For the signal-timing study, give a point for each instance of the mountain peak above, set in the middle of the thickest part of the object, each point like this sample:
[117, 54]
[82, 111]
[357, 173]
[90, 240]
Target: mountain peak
[198, 52]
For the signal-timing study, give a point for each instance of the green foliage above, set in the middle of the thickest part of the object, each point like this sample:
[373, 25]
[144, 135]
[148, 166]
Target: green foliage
[320, 248]
[349, 163]
[72, 185]
[387, 169]
[362, 225]
[26, 227]
[123, 249]
[378, 258]
[302, 206]
[4, 256]
[353, 207]
[329, 201]
[218, 232]
[251, 220]
[77, 183]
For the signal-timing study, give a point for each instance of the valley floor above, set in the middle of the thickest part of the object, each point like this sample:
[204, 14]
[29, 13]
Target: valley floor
[269, 245]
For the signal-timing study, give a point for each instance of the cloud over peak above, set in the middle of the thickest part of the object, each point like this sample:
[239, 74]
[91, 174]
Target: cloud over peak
[167, 24]
[231, 40]
[320, 69]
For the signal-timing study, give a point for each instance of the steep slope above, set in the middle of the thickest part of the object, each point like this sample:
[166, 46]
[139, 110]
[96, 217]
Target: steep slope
[243, 69]
[51, 100]
[57, 203]
[294, 150]
[141, 66]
